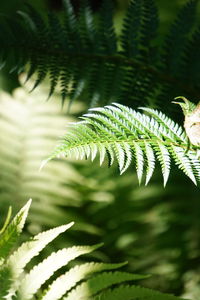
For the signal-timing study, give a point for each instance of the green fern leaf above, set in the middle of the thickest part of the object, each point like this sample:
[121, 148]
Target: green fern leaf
[164, 159]
[11, 233]
[150, 162]
[42, 272]
[132, 23]
[183, 162]
[5, 275]
[190, 66]
[20, 258]
[98, 283]
[177, 38]
[134, 293]
[106, 33]
[7, 241]
[149, 24]
[175, 131]
[120, 133]
[139, 160]
[68, 280]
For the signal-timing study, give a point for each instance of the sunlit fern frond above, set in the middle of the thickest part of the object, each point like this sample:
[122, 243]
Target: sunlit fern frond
[29, 129]
[85, 56]
[124, 135]
[20, 281]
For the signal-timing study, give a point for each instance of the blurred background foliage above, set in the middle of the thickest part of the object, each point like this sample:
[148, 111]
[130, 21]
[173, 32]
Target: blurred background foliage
[156, 230]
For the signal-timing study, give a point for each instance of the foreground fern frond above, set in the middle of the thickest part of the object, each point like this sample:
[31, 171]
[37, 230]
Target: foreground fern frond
[125, 135]
[19, 282]
[84, 54]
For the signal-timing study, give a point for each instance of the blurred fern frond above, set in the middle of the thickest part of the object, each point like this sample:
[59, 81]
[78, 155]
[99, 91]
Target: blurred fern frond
[80, 282]
[123, 134]
[29, 129]
[86, 56]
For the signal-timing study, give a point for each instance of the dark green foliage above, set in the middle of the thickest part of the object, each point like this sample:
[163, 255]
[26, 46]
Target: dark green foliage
[83, 53]
[177, 38]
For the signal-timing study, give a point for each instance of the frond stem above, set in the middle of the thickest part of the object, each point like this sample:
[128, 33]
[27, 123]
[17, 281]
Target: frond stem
[142, 141]
[118, 59]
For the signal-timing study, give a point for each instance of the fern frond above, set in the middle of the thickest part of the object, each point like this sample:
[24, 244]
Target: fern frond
[20, 258]
[149, 26]
[98, 283]
[5, 275]
[43, 271]
[27, 148]
[134, 293]
[12, 232]
[190, 66]
[176, 40]
[123, 134]
[83, 53]
[131, 29]
[65, 282]
[24, 284]
[7, 241]
[107, 39]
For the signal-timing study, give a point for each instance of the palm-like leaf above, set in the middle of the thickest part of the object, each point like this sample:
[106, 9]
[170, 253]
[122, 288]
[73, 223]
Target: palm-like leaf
[125, 135]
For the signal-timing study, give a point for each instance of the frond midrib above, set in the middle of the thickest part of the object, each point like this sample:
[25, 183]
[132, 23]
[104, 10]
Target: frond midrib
[116, 59]
[152, 141]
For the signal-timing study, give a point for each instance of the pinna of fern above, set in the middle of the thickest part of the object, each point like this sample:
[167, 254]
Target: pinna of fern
[85, 54]
[124, 135]
[84, 281]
